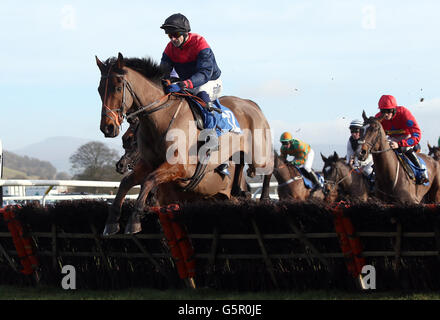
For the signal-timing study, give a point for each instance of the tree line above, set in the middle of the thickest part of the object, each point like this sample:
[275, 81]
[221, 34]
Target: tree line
[91, 161]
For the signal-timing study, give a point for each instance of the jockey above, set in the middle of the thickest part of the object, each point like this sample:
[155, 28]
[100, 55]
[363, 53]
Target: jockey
[303, 154]
[366, 166]
[190, 56]
[402, 128]
[193, 60]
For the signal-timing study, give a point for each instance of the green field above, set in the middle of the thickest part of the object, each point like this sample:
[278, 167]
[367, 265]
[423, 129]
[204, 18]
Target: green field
[51, 293]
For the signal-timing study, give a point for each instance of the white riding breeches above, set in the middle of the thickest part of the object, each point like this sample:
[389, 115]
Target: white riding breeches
[213, 88]
[309, 161]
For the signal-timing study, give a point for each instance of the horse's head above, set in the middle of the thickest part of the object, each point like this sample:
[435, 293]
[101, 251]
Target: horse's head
[115, 99]
[129, 139]
[434, 152]
[281, 165]
[331, 192]
[330, 170]
[370, 136]
[129, 143]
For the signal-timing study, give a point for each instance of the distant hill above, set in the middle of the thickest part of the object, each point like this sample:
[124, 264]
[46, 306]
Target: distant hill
[24, 167]
[16, 174]
[57, 150]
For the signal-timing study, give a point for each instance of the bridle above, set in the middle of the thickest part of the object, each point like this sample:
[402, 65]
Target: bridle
[371, 145]
[287, 182]
[117, 115]
[337, 182]
[379, 135]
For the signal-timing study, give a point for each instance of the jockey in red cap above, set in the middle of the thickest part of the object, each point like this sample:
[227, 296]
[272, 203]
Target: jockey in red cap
[402, 128]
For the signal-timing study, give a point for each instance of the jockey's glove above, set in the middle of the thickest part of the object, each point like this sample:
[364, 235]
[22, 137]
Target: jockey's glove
[178, 86]
[172, 88]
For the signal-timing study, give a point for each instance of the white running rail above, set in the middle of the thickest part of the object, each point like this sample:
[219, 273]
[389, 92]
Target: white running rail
[85, 183]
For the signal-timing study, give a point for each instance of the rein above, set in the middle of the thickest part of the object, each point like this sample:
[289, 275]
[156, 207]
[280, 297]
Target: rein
[148, 109]
[299, 177]
[379, 135]
[371, 145]
[342, 179]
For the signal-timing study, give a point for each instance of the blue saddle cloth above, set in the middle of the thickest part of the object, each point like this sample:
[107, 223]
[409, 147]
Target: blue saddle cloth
[417, 171]
[222, 123]
[307, 182]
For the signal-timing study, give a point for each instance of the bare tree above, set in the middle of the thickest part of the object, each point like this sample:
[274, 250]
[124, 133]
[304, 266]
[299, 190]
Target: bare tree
[94, 161]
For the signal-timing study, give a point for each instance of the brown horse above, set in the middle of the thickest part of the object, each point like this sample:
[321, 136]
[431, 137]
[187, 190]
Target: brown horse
[349, 182]
[165, 119]
[290, 182]
[132, 154]
[166, 193]
[392, 183]
[434, 152]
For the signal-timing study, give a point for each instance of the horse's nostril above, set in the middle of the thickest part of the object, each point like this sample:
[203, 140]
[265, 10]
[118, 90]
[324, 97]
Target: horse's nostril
[110, 128]
[363, 152]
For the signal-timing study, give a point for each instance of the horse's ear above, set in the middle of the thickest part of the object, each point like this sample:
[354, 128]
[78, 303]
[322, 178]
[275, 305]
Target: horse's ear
[429, 147]
[336, 155]
[120, 61]
[100, 64]
[323, 158]
[364, 115]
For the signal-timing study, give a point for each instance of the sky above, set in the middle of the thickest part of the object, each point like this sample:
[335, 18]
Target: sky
[312, 66]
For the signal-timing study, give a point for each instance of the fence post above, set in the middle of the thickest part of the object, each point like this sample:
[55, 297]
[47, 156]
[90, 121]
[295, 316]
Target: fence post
[266, 259]
[54, 247]
[397, 244]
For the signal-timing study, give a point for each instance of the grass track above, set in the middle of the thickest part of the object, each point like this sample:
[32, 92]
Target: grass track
[52, 293]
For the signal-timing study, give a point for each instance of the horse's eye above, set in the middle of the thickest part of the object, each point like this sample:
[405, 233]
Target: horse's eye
[118, 89]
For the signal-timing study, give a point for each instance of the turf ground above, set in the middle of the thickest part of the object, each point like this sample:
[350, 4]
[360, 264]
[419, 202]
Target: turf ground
[53, 293]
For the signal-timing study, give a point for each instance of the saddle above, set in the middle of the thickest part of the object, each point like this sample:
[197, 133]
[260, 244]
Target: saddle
[307, 182]
[196, 111]
[413, 172]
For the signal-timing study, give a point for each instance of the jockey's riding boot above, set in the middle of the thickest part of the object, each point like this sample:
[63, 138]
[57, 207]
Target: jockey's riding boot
[223, 169]
[314, 179]
[415, 160]
[211, 107]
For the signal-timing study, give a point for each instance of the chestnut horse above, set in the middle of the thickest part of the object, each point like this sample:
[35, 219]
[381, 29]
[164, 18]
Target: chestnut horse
[135, 169]
[392, 183]
[164, 118]
[348, 181]
[290, 182]
[129, 143]
[434, 152]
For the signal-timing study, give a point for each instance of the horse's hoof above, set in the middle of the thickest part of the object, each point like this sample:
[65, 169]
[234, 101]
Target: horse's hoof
[110, 229]
[133, 228]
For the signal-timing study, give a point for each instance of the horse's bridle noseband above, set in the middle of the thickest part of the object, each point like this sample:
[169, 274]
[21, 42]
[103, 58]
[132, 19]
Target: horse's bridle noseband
[371, 145]
[116, 114]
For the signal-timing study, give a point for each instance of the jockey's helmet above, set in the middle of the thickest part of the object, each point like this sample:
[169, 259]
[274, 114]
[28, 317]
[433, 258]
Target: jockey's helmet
[387, 102]
[356, 124]
[286, 137]
[176, 23]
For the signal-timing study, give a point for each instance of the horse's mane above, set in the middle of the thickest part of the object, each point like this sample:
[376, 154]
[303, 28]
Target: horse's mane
[292, 168]
[145, 66]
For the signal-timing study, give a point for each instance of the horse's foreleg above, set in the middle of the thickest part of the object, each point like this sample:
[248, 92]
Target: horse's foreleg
[266, 188]
[165, 173]
[114, 214]
[134, 178]
[236, 189]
